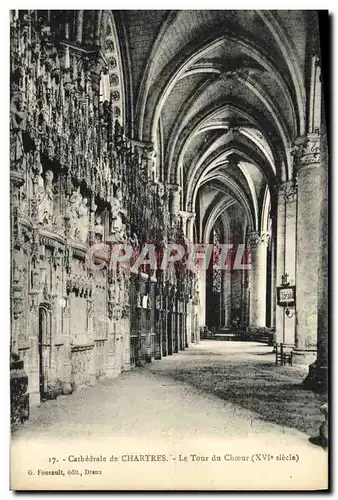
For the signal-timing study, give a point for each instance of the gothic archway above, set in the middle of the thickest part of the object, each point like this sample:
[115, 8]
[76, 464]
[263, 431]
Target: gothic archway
[45, 347]
[112, 81]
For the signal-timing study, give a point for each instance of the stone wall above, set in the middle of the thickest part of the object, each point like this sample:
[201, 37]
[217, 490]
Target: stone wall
[76, 182]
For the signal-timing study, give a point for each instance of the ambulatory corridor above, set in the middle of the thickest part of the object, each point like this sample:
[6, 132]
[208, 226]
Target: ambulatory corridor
[215, 388]
[216, 399]
[169, 229]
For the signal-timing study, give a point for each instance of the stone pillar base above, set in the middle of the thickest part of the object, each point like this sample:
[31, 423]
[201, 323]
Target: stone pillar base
[158, 348]
[126, 366]
[303, 356]
[317, 378]
[115, 372]
[34, 399]
[288, 346]
[111, 372]
[67, 388]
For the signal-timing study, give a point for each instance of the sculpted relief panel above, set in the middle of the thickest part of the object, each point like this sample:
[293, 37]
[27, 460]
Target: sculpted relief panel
[45, 198]
[78, 216]
[76, 179]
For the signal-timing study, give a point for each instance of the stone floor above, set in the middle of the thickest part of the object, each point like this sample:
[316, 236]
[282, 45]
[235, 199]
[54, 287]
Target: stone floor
[216, 391]
[187, 393]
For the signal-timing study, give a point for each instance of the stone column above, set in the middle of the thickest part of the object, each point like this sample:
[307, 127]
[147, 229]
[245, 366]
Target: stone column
[286, 257]
[158, 334]
[164, 314]
[202, 296]
[189, 309]
[273, 283]
[236, 293]
[190, 227]
[170, 330]
[245, 297]
[258, 243]
[67, 361]
[227, 296]
[125, 321]
[110, 348]
[321, 366]
[173, 330]
[174, 199]
[307, 166]
[183, 327]
[33, 367]
[318, 371]
[188, 224]
[177, 327]
[197, 331]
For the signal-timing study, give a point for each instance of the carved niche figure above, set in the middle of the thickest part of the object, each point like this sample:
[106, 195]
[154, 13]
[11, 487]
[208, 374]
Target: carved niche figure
[35, 280]
[16, 271]
[92, 215]
[77, 212]
[126, 287]
[138, 299]
[116, 213]
[45, 198]
[149, 159]
[162, 196]
[98, 228]
[134, 242]
[24, 210]
[17, 125]
[121, 235]
[74, 202]
[83, 220]
[135, 246]
[164, 242]
[112, 295]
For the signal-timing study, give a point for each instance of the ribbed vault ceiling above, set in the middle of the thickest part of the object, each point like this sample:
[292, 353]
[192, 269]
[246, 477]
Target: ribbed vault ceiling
[226, 91]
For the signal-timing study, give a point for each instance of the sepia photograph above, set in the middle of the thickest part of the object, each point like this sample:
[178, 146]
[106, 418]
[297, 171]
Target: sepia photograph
[169, 298]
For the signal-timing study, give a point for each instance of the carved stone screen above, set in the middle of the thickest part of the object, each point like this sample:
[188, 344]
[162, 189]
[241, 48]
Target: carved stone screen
[78, 319]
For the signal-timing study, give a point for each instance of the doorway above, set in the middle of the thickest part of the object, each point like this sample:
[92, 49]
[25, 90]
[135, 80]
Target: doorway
[45, 345]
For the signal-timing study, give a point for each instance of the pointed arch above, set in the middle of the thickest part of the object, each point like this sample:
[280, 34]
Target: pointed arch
[112, 87]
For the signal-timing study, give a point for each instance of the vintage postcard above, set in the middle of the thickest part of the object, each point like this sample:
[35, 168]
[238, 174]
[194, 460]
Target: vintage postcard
[169, 250]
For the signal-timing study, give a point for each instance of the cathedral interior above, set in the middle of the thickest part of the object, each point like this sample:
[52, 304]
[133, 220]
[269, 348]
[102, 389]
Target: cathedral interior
[193, 127]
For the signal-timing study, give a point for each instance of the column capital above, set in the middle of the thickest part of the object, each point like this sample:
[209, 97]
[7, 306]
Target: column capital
[287, 191]
[174, 188]
[149, 146]
[256, 238]
[306, 151]
[187, 215]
